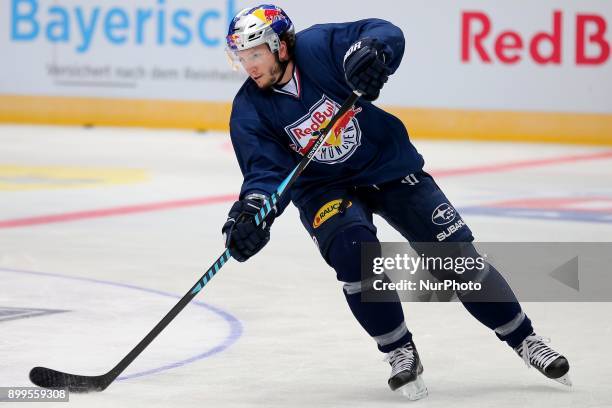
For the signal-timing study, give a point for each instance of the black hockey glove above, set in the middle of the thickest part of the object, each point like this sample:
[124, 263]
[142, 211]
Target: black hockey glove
[243, 238]
[365, 69]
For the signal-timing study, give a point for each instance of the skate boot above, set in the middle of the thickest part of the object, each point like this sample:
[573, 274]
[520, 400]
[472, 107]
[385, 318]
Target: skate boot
[536, 353]
[406, 370]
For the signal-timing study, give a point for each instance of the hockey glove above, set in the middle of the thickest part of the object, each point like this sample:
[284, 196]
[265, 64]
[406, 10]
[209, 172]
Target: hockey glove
[365, 69]
[243, 238]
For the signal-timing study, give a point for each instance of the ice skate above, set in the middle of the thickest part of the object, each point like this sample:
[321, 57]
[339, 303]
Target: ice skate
[406, 372]
[536, 353]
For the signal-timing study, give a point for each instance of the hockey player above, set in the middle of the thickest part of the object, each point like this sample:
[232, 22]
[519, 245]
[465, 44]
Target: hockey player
[367, 165]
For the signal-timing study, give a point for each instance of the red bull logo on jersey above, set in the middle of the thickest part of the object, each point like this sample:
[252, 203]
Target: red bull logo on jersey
[341, 143]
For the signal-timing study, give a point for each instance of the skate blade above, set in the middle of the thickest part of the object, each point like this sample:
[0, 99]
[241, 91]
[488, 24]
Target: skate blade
[414, 390]
[565, 380]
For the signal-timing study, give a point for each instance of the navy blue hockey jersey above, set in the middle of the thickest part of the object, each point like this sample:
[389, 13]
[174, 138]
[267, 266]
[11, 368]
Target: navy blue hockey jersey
[271, 130]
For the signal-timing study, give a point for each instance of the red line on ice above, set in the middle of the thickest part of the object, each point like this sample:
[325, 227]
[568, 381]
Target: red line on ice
[170, 205]
[115, 211]
[490, 168]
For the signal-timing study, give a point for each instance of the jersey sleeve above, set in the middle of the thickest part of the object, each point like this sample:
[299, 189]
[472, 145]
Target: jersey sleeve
[263, 161]
[340, 36]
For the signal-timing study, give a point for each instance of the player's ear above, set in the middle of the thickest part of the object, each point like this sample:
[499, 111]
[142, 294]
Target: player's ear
[283, 51]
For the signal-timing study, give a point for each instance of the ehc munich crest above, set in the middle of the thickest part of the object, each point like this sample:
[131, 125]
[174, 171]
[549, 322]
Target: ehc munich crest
[343, 140]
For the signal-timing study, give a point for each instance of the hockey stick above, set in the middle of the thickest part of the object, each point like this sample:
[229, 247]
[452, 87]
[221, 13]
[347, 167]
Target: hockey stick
[48, 378]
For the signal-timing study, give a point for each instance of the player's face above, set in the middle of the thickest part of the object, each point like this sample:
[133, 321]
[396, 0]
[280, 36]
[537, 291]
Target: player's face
[261, 65]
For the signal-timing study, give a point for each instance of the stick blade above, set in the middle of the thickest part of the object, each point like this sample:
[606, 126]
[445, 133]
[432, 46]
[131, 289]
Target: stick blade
[48, 378]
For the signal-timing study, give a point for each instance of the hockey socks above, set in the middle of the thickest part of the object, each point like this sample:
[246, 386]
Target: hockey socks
[383, 321]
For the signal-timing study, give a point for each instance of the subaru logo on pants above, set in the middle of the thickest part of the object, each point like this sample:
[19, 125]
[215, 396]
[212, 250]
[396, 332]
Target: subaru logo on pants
[443, 214]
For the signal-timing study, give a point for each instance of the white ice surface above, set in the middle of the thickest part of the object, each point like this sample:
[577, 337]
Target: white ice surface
[295, 343]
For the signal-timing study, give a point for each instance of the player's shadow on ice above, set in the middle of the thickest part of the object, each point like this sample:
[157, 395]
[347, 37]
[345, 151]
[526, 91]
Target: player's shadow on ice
[468, 395]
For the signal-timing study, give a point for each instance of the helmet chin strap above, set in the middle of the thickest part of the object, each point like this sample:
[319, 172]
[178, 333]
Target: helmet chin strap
[283, 65]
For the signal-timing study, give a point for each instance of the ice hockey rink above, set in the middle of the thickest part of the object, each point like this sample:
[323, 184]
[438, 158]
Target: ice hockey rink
[102, 230]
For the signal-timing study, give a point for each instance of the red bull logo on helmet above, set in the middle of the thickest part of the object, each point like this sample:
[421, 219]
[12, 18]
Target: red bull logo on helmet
[233, 41]
[341, 143]
[272, 15]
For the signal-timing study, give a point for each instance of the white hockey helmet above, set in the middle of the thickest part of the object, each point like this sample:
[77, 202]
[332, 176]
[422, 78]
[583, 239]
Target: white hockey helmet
[264, 24]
